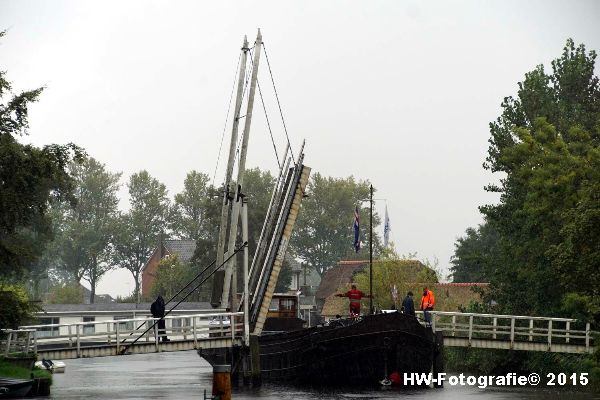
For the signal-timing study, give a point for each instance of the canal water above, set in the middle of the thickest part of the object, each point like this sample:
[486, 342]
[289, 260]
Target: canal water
[184, 375]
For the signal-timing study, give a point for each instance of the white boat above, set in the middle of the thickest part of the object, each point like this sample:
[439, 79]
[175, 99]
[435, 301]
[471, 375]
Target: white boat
[52, 366]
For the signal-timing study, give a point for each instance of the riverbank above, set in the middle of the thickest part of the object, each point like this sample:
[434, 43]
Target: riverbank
[14, 368]
[9, 370]
[501, 362]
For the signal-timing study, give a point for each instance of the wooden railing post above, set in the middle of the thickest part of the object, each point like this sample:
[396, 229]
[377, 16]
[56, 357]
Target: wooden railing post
[531, 330]
[567, 334]
[8, 340]
[156, 337]
[470, 328]
[454, 325]
[28, 341]
[494, 336]
[194, 331]
[78, 341]
[232, 323]
[117, 339]
[587, 337]
[549, 334]
[70, 337]
[512, 332]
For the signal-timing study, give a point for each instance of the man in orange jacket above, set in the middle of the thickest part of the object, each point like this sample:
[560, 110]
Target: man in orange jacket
[427, 303]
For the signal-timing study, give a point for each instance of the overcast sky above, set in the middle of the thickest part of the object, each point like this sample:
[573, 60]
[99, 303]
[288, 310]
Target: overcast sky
[397, 92]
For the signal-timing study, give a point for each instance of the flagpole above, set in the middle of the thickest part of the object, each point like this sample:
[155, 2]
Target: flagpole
[371, 254]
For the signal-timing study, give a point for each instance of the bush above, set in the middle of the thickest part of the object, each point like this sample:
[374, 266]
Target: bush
[16, 307]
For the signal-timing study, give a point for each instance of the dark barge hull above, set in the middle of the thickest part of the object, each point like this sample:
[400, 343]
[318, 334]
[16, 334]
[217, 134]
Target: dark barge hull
[348, 352]
[345, 352]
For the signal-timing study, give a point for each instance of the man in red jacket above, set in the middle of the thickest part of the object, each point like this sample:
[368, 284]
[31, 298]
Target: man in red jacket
[355, 296]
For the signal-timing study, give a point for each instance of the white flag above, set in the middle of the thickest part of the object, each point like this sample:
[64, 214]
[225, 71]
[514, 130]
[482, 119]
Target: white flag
[386, 229]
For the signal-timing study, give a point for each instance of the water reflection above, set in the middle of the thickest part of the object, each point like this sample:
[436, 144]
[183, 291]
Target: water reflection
[184, 375]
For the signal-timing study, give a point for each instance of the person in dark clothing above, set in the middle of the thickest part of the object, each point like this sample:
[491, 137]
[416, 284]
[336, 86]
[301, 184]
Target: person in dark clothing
[158, 311]
[408, 305]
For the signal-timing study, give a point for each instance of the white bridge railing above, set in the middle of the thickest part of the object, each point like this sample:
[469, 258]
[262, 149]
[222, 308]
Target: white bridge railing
[122, 332]
[512, 328]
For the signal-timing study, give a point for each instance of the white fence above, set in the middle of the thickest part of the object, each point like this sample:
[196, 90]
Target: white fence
[561, 332]
[122, 332]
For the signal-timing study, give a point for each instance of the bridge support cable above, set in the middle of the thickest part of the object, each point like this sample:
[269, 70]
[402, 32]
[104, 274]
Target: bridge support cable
[233, 254]
[278, 103]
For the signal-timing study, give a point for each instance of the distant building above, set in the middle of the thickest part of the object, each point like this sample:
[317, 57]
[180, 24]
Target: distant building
[342, 274]
[184, 249]
[98, 298]
[75, 313]
[449, 296]
[305, 280]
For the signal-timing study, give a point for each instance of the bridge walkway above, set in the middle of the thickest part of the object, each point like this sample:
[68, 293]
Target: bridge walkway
[115, 337]
[513, 332]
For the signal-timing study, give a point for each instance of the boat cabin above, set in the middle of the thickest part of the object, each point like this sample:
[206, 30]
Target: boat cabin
[283, 306]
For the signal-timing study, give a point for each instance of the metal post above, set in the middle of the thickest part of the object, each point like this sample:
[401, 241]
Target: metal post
[246, 277]
[79, 341]
[231, 160]
[549, 334]
[433, 322]
[531, 330]
[235, 212]
[494, 336]
[371, 252]
[567, 334]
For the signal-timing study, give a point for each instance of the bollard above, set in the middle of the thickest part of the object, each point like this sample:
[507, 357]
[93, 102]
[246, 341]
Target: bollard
[221, 382]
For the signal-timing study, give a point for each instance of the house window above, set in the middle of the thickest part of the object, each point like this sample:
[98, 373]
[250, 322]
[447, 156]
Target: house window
[125, 326]
[91, 328]
[48, 331]
[180, 322]
[287, 304]
[274, 306]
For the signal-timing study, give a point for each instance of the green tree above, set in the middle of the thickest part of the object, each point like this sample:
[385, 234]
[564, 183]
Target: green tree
[474, 254]
[323, 234]
[87, 230]
[65, 293]
[31, 178]
[258, 186]
[390, 270]
[189, 215]
[171, 276]
[546, 143]
[16, 307]
[138, 230]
